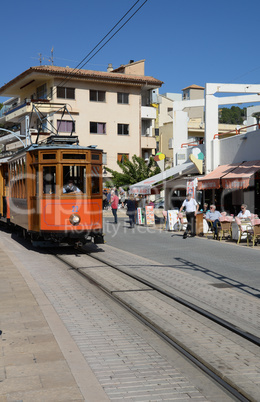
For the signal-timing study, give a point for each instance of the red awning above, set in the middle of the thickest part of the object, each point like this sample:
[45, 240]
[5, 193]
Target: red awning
[212, 180]
[240, 177]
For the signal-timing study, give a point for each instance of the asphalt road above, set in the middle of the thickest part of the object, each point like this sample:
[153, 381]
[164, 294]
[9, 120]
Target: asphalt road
[217, 262]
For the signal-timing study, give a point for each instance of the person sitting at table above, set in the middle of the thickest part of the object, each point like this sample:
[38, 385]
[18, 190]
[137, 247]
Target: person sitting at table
[205, 208]
[244, 213]
[213, 216]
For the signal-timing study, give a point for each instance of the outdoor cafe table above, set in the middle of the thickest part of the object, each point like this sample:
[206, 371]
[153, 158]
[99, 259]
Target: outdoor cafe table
[245, 223]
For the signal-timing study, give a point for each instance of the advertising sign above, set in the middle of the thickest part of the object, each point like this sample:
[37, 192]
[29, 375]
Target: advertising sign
[191, 187]
[149, 213]
[140, 217]
[172, 219]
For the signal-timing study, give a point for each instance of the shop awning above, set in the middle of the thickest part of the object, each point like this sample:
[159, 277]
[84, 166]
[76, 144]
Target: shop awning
[173, 172]
[240, 177]
[212, 180]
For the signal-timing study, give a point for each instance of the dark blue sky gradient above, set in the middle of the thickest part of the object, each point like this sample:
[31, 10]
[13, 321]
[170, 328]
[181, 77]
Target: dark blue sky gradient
[183, 42]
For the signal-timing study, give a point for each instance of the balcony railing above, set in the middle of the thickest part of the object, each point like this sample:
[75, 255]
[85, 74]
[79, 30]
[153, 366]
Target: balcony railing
[8, 109]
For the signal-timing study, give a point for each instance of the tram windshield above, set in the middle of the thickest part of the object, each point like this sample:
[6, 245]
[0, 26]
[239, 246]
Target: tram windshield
[74, 179]
[49, 179]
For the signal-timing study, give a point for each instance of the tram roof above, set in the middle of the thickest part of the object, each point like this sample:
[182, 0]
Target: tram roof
[35, 147]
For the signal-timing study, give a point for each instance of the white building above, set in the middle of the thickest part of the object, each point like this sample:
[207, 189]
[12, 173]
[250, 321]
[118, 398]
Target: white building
[111, 109]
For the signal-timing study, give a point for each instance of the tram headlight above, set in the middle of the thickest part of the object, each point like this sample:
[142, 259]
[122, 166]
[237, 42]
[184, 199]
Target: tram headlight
[74, 219]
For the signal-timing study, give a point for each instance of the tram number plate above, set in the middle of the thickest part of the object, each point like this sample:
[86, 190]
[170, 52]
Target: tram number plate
[75, 208]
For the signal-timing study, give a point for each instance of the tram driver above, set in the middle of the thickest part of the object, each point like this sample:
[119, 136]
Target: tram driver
[71, 188]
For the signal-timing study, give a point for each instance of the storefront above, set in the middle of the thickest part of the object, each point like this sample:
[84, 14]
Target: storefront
[228, 186]
[172, 183]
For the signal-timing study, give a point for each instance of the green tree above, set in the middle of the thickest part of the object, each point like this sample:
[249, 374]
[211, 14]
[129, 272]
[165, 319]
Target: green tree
[133, 171]
[234, 115]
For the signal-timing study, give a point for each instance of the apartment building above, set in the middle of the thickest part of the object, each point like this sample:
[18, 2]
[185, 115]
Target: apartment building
[111, 110]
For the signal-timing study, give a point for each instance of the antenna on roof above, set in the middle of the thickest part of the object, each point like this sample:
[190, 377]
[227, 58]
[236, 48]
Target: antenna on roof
[40, 58]
[51, 58]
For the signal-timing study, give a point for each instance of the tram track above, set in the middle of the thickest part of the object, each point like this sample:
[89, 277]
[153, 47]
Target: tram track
[139, 285]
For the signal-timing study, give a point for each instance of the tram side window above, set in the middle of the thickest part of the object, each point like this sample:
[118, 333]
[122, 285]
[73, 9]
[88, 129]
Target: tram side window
[49, 179]
[74, 179]
[95, 182]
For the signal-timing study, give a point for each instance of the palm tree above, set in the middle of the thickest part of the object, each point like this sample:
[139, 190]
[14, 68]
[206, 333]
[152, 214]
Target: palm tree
[133, 172]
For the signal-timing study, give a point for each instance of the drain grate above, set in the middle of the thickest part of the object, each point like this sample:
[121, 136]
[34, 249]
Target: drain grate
[221, 285]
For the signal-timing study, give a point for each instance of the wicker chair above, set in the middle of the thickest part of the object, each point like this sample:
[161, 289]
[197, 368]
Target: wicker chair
[254, 233]
[243, 229]
[225, 226]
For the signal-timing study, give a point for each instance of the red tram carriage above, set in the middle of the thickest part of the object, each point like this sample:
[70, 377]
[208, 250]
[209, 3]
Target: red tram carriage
[36, 197]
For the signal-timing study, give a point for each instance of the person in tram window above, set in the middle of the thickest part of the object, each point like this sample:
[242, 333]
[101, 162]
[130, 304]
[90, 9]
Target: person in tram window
[192, 207]
[244, 213]
[213, 216]
[71, 188]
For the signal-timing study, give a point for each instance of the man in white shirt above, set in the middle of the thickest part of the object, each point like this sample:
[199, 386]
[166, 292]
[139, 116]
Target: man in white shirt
[192, 208]
[244, 213]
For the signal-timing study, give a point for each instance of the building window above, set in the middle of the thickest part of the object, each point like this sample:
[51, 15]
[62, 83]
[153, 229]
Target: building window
[97, 128]
[122, 98]
[97, 96]
[104, 158]
[123, 129]
[41, 92]
[65, 93]
[66, 126]
[122, 157]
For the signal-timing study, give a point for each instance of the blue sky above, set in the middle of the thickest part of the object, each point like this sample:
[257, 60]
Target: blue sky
[183, 42]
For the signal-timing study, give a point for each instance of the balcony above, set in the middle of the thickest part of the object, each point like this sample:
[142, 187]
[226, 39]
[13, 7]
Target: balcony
[148, 112]
[13, 114]
[148, 142]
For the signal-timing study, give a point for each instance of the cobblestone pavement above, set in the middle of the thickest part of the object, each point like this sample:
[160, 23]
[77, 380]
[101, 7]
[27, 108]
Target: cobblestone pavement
[211, 260]
[229, 303]
[129, 362]
[227, 354]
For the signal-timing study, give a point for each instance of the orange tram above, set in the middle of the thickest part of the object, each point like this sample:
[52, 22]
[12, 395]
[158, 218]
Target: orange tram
[53, 191]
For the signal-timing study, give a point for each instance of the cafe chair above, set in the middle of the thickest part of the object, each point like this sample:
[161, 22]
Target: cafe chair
[254, 234]
[243, 229]
[182, 220]
[225, 226]
[210, 229]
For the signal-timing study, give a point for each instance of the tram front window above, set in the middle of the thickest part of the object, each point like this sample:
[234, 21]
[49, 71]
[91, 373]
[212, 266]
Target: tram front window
[49, 179]
[74, 179]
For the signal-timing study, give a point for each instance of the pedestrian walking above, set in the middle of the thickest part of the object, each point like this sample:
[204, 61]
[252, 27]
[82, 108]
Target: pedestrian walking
[114, 205]
[131, 210]
[191, 206]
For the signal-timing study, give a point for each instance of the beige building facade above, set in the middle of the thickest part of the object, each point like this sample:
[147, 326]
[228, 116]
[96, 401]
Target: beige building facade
[111, 110]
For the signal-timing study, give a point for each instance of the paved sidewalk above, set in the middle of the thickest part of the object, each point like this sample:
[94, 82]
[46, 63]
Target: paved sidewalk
[65, 340]
[39, 361]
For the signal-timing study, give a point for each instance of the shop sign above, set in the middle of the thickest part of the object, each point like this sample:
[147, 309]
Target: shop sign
[172, 219]
[191, 187]
[140, 216]
[149, 214]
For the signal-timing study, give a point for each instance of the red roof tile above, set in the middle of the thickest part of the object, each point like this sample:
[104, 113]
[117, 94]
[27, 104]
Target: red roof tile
[65, 72]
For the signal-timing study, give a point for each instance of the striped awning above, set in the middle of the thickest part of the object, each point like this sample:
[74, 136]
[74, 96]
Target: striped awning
[240, 177]
[213, 179]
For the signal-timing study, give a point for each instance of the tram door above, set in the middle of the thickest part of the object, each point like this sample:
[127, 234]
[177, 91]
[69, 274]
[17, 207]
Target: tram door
[3, 189]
